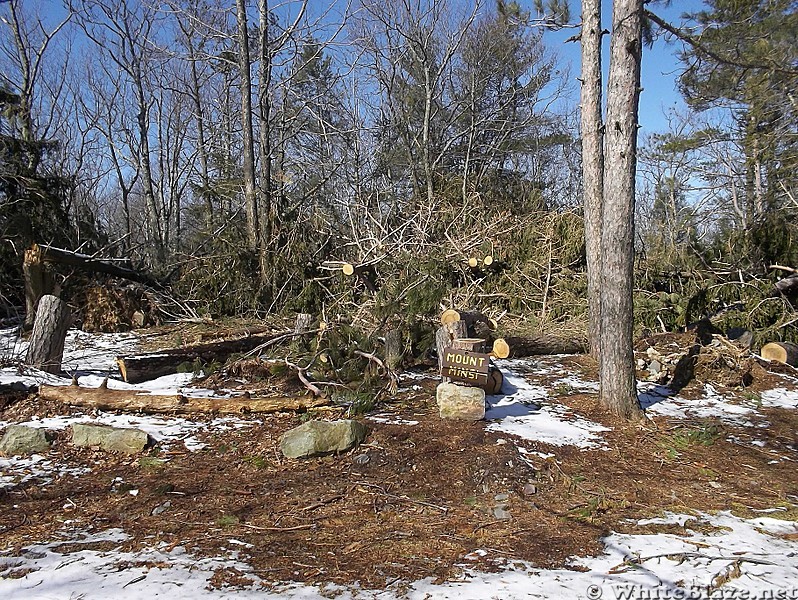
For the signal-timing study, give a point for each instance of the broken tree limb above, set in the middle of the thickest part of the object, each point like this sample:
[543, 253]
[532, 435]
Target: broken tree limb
[783, 352]
[46, 349]
[38, 282]
[133, 400]
[302, 374]
[121, 267]
[143, 367]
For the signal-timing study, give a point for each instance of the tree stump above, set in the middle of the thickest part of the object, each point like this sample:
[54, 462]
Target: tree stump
[46, 349]
[444, 337]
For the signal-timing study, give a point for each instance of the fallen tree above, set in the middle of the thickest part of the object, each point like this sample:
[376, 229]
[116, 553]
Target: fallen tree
[39, 280]
[143, 367]
[133, 400]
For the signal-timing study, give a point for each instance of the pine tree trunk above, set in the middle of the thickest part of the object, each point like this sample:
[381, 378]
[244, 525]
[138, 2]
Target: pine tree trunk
[46, 349]
[592, 162]
[394, 351]
[617, 369]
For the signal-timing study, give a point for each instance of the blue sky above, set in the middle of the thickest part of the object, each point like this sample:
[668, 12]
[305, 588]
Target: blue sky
[660, 67]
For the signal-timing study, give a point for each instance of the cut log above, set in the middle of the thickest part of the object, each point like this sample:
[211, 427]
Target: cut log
[450, 316]
[46, 349]
[501, 349]
[783, 352]
[132, 400]
[495, 382]
[487, 261]
[473, 262]
[143, 367]
[470, 317]
[536, 345]
[348, 269]
[469, 344]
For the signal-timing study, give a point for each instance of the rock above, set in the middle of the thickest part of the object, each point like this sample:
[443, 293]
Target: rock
[127, 440]
[461, 402]
[501, 513]
[654, 367]
[161, 508]
[501, 497]
[21, 440]
[741, 336]
[362, 460]
[530, 489]
[315, 438]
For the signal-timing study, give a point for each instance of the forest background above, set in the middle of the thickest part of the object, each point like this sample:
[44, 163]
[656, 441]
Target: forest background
[243, 152]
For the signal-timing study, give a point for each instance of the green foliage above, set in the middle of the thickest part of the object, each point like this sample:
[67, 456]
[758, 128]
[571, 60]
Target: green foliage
[689, 436]
[32, 195]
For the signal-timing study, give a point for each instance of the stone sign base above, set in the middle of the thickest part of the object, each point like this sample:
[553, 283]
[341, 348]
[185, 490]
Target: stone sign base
[461, 402]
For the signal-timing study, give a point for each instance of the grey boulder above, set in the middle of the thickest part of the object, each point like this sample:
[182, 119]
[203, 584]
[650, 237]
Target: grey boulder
[127, 440]
[22, 440]
[316, 438]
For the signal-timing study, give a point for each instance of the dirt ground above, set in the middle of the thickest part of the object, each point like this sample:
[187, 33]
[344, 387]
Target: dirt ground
[414, 501]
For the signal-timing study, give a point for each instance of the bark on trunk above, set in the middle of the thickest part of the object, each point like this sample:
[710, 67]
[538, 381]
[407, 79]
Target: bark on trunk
[393, 349]
[250, 198]
[787, 286]
[539, 345]
[592, 161]
[131, 400]
[46, 349]
[444, 337]
[495, 381]
[303, 323]
[617, 369]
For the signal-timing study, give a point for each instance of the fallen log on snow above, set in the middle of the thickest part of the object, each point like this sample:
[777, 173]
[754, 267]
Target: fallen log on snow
[143, 367]
[133, 400]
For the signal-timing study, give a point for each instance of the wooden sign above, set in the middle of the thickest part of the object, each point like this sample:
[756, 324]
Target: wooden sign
[462, 365]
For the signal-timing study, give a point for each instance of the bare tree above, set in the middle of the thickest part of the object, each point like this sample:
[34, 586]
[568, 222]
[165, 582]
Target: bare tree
[124, 32]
